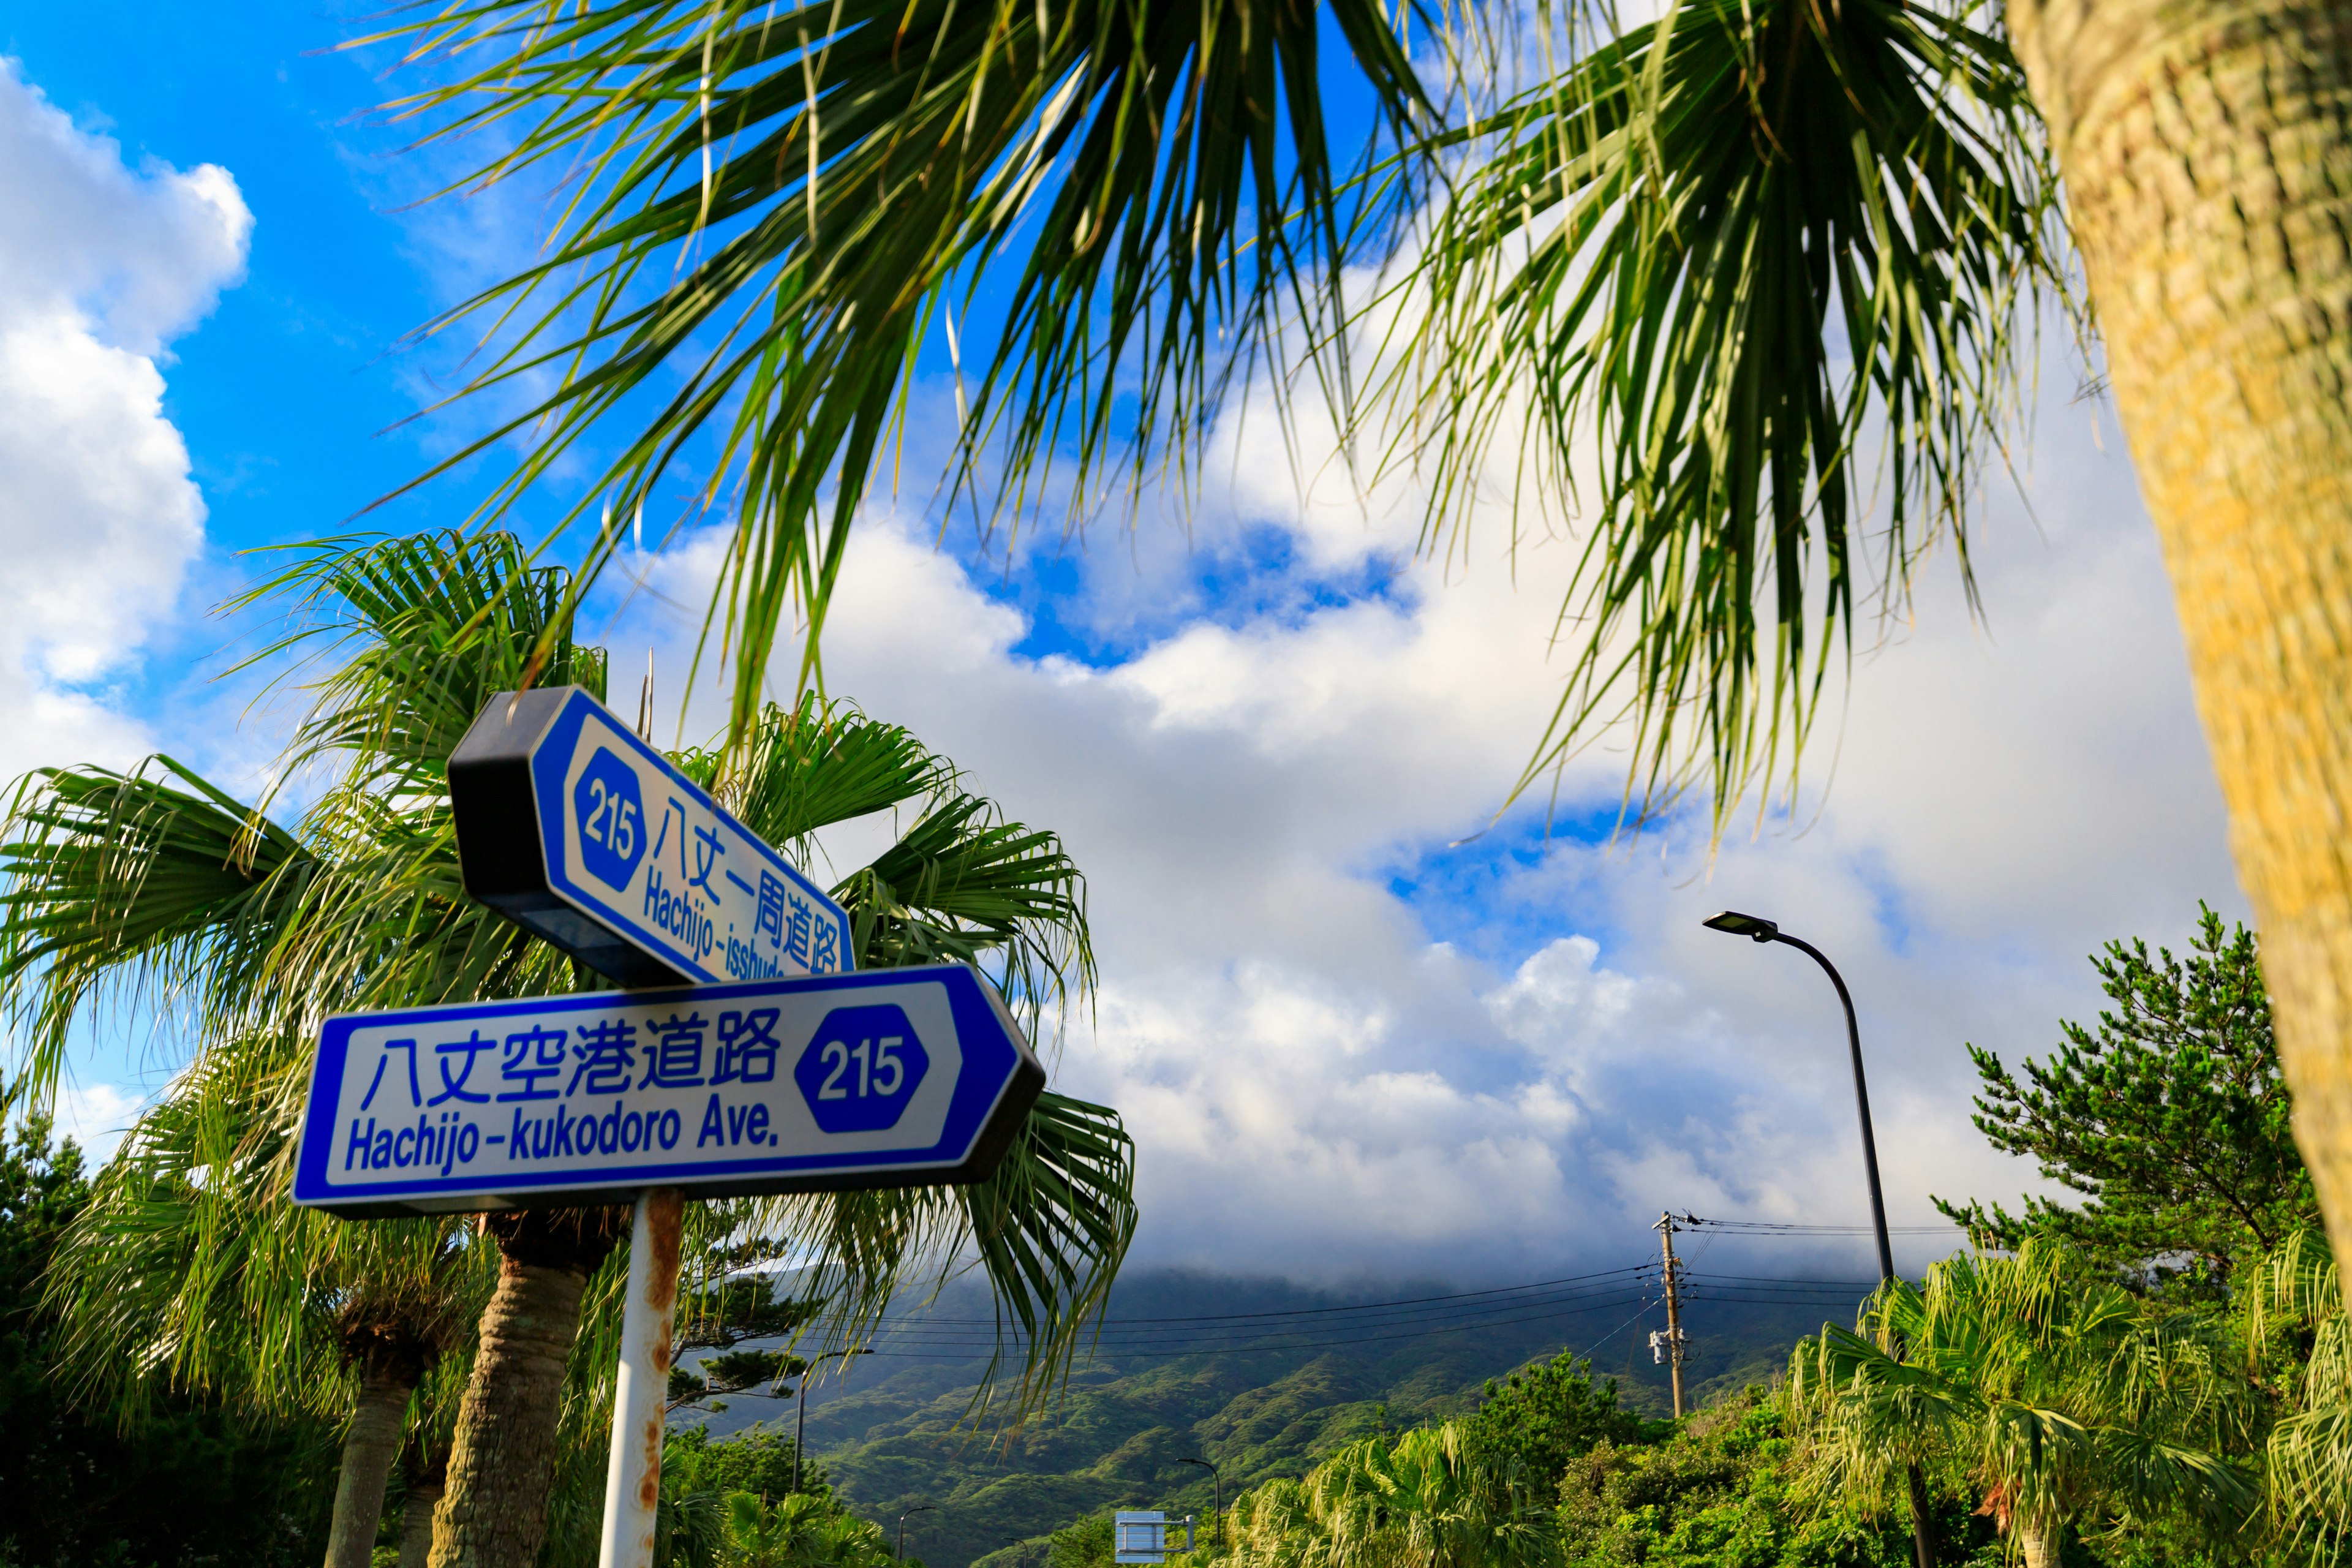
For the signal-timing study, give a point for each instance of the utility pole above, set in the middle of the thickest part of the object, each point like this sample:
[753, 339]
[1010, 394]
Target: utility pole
[800, 1417]
[1672, 1348]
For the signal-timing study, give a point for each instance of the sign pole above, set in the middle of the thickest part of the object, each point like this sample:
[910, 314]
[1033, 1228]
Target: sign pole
[641, 1388]
[648, 1319]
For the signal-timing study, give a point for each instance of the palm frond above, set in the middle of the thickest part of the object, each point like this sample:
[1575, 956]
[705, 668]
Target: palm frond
[414, 633]
[1689, 280]
[428, 628]
[153, 884]
[1052, 1227]
[188, 1270]
[764, 210]
[963, 885]
[2065, 1397]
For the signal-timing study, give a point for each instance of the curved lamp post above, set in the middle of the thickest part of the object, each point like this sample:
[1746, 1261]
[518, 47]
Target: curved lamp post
[1218, 1539]
[919, 1508]
[1755, 928]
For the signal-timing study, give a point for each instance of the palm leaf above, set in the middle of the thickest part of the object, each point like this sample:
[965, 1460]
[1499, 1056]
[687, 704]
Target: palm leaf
[765, 209]
[187, 1270]
[151, 882]
[963, 883]
[1728, 251]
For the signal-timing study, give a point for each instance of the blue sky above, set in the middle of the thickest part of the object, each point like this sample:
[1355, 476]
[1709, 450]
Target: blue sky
[1360, 1028]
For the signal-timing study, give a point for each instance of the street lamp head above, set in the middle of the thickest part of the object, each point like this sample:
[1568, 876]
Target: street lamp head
[1737, 924]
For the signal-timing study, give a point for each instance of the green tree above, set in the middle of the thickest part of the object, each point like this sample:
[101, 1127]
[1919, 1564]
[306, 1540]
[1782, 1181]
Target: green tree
[129, 881]
[183, 1484]
[1091, 1542]
[2069, 1401]
[1718, 1494]
[799, 1530]
[2170, 1117]
[1416, 1500]
[2290, 1312]
[186, 1272]
[756, 1462]
[1544, 1416]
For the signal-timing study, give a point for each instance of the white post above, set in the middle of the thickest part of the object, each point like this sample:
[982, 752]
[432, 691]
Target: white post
[641, 1390]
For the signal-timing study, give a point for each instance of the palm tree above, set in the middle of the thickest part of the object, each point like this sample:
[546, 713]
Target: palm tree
[1418, 1501]
[800, 1531]
[2299, 1337]
[2066, 1401]
[186, 1271]
[185, 894]
[1748, 245]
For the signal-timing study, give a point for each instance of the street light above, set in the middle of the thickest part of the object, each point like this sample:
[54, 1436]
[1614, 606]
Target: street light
[919, 1508]
[1217, 1539]
[800, 1417]
[1755, 928]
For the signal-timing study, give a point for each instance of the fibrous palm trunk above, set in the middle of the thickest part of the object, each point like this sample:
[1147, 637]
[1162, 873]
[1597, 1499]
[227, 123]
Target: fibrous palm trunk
[2037, 1543]
[417, 1527]
[494, 1514]
[2207, 150]
[370, 1447]
[416, 1517]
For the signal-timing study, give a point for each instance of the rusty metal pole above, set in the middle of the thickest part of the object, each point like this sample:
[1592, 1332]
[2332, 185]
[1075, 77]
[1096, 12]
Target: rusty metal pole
[641, 1390]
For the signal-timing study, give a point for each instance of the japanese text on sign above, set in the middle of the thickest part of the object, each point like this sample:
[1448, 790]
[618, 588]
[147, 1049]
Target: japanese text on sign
[737, 1083]
[656, 857]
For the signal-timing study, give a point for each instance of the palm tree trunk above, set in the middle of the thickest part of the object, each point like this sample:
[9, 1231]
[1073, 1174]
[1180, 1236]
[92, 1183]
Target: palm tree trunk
[494, 1514]
[416, 1517]
[370, 1447]
[417, 1526]
[2207, 150]
[2037, 1543]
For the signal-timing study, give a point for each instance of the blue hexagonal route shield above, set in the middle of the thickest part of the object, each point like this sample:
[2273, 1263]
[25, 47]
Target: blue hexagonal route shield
[861, 1069]
[612, 817]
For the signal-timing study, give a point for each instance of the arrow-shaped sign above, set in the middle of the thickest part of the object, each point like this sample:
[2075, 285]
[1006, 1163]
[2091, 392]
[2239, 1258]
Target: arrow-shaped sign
[584, 835]
[892, 1077]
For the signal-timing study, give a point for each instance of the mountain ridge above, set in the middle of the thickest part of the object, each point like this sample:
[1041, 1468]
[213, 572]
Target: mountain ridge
[1159, 1386]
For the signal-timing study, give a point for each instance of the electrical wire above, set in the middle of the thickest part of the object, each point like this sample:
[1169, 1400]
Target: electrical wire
[1365, 1306]
[1166, 1352]
[1294, 1330]
[1777, 1227]
[912, 1334]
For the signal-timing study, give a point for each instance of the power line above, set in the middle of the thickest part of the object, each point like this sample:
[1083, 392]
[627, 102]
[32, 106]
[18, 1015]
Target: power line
[1777, 1227]
[1494, 1308]
[1278, 1339]
[1791, 1280]
[1360, 1307]
[1309, 1329]
[1165, 1351]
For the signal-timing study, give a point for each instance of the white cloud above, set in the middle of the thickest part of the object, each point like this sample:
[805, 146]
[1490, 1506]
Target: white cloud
[96, 1116]
[1318, 1084]
[102, 265]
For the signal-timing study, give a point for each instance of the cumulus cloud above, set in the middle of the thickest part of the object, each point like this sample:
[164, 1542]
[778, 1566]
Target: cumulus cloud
[96, 1116]
[1358, 1028]
[102, 265]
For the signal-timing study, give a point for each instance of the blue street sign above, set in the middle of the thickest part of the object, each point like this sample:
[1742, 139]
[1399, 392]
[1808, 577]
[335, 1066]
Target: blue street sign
[584, 835]
[889, 1078]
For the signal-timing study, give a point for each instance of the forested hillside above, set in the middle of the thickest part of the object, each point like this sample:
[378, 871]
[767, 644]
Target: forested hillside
[1165, 1385]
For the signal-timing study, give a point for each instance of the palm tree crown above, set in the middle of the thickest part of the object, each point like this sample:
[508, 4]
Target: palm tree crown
[2065, 1399]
